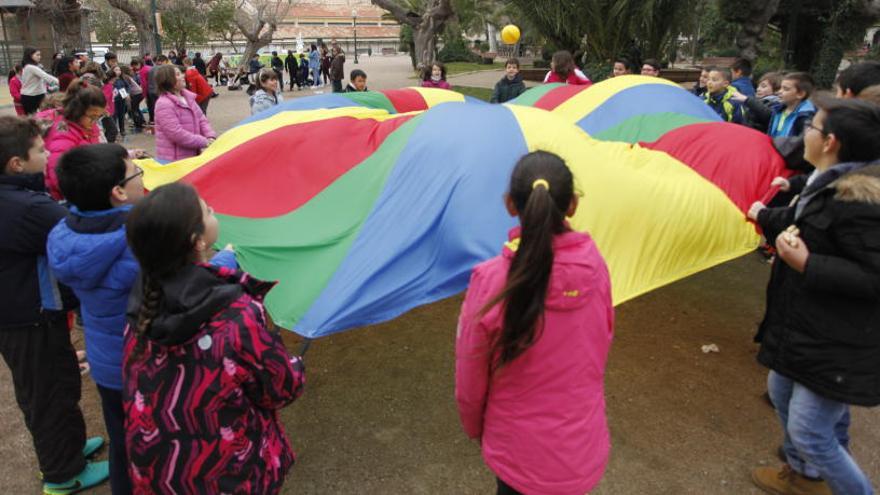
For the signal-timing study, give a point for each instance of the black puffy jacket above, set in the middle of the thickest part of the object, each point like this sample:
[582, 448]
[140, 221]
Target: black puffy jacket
[822, 327]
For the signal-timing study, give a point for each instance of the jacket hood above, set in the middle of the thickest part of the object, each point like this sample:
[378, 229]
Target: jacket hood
[33, 182]
[517, 79]
[191, 297]
[86, 245]
[861, 186]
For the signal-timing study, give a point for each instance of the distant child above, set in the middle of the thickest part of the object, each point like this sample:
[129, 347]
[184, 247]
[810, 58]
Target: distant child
[794, 109]
[121, 98]
[533, 338]
[564, 70]
[358, 82]
[131, 74]
[701, 87]
[34, 333]
[267, 94]
[622, 67]
[719, 96]
[759, 108]
[651, 67]
[511, 85]
[304, 70]
[741, 74]
[108, 123]
[14, 80]
[198, 334]
[436, 77]
[87, 251]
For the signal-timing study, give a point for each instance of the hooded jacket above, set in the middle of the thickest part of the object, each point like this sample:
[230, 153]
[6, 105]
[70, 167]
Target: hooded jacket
[63, 135]
[182, 130]
[727, 109]
[203, 385]
[88, 252]
[822, 327]
[541, 418]
[508, 89]
[27, 287]
[794, 122]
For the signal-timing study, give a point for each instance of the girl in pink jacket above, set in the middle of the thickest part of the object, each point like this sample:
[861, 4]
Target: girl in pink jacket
[15, 89]
[182, 130]
[533, 339]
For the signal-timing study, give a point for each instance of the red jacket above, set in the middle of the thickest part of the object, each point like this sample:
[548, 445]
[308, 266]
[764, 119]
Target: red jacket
[574, 77]
[196, 83]
[15, 91]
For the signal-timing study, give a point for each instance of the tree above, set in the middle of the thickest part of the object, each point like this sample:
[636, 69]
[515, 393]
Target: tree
[111, 26]
[752, 16]
[427, 18]
[66, 19]
[257, 20]
[221, 22]
[143, 22]
[185, 22]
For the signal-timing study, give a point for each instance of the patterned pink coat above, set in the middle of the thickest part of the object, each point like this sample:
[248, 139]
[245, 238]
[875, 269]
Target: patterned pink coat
[202, 414]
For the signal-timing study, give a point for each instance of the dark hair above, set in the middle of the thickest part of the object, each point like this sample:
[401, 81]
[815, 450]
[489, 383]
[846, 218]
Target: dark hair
[265, 75]
[541, 209]
[198, 54]
[81, 96]
[17, 136]
[652, 62]
[161, 59]
[161, 231]
[87, 174]
[429, 69]
[166, 78]
[742, 65]
[135, 61]
[14, 72]
[274, 53]
[724, 71]
[512, 61]
[802, 82]
[63, 65]
[563, 63]
[855, 124]
[774, 78]
[109, 56]
[357, 73]
[626, 63]
[93, 67]
[859, 76]
[314, 47]
[27, 58]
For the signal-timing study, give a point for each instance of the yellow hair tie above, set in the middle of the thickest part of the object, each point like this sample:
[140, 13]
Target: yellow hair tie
[541, 182]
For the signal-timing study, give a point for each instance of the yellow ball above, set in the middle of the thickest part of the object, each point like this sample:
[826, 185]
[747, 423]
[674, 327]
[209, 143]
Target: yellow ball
[510, 34]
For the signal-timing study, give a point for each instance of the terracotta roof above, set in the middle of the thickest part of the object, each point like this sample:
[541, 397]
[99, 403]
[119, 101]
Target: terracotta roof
[304, 11]
[288, 31]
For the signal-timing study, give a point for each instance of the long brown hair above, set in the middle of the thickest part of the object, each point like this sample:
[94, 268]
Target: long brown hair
[541, 188]
[563, 63]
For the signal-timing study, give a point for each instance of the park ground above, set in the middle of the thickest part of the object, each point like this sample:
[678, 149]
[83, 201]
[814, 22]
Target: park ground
[379, 417]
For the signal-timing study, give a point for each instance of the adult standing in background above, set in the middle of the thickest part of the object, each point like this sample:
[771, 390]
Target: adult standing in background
[337, 69]
[278, 67]
[200, 65]
[292, 68]
[33, 81]
[315, 65]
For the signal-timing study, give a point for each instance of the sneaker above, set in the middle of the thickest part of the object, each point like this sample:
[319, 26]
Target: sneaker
[787, 481]
[93, 445]
[95, 473]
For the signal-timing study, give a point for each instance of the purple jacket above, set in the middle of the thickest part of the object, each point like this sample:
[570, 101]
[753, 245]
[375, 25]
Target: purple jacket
[182, 130]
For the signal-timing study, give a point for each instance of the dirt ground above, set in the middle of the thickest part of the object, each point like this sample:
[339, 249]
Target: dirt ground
[378, 415]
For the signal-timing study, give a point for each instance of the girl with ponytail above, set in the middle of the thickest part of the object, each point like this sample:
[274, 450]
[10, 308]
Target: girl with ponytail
[202, 376]
[533, 338]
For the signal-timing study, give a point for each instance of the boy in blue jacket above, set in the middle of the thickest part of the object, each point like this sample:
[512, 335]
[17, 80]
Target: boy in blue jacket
[794, 109]
[87, 251]
[34, 334]
[719, 96]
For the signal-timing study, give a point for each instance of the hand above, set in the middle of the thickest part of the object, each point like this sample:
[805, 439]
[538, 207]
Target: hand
[782, 183]
[792, 249]
[738, 97]
[138, 153]
[756, 208]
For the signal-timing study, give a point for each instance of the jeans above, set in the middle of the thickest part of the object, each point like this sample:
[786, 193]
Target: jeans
[316, 76]
[816, 436]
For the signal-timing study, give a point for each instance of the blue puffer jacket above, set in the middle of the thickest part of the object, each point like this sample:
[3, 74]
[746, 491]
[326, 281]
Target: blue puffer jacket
[794, 124]
[87, 252]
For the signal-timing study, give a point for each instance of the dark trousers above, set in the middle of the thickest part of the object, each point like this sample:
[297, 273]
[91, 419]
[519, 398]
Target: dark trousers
[204, 106]
[337, 86]
[119, 115]
[110, 130]
[505, 489]
[114, 419]
[151, 106]
[45, 375]
[135, 111]
[31, 103]
[280, 75]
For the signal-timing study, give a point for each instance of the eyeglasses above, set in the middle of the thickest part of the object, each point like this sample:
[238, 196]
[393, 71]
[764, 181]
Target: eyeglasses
[817, 129]
[137, 173]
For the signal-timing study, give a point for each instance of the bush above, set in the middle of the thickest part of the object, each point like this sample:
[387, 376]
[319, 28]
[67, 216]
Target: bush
[598, 71]
[541, 64]
[456, 50]
[484, 47]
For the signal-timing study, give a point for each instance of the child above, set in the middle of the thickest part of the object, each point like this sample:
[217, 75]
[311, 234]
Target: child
[121, 98]
[651, 67]
[741, 72]
[564, 70]
[131, 74]
[436, 77]
[511, 85]
[759, 108]
[794, 109]
[14, 80]
[533, 338]
[197, 83]
[108, 123]
[87, 251]
[303, 79]
[34, 334]
[700, 88]
[198, 334]
[358, 82]
[621, 67]
[719, 96]
[819, 333]
[267, 95]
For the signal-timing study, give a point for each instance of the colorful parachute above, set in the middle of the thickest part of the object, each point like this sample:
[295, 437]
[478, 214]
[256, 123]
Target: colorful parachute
[364, 206]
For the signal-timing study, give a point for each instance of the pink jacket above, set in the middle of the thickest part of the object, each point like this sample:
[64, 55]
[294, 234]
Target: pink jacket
[541, 418]
[182, 130]
[63, 135]
[442, 84]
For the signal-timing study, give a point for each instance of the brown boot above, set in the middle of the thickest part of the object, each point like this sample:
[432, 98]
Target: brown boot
[787, 481]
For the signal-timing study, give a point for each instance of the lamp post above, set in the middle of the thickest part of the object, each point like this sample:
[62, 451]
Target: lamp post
[354, 23]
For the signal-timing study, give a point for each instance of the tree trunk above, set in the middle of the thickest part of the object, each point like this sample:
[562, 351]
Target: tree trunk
[66, 19]
[425, 25]
[493, 39]
[143, 24]
[844, 31]
[752, 29]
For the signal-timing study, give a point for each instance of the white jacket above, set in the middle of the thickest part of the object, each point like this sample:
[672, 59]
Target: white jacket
[34, 80]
